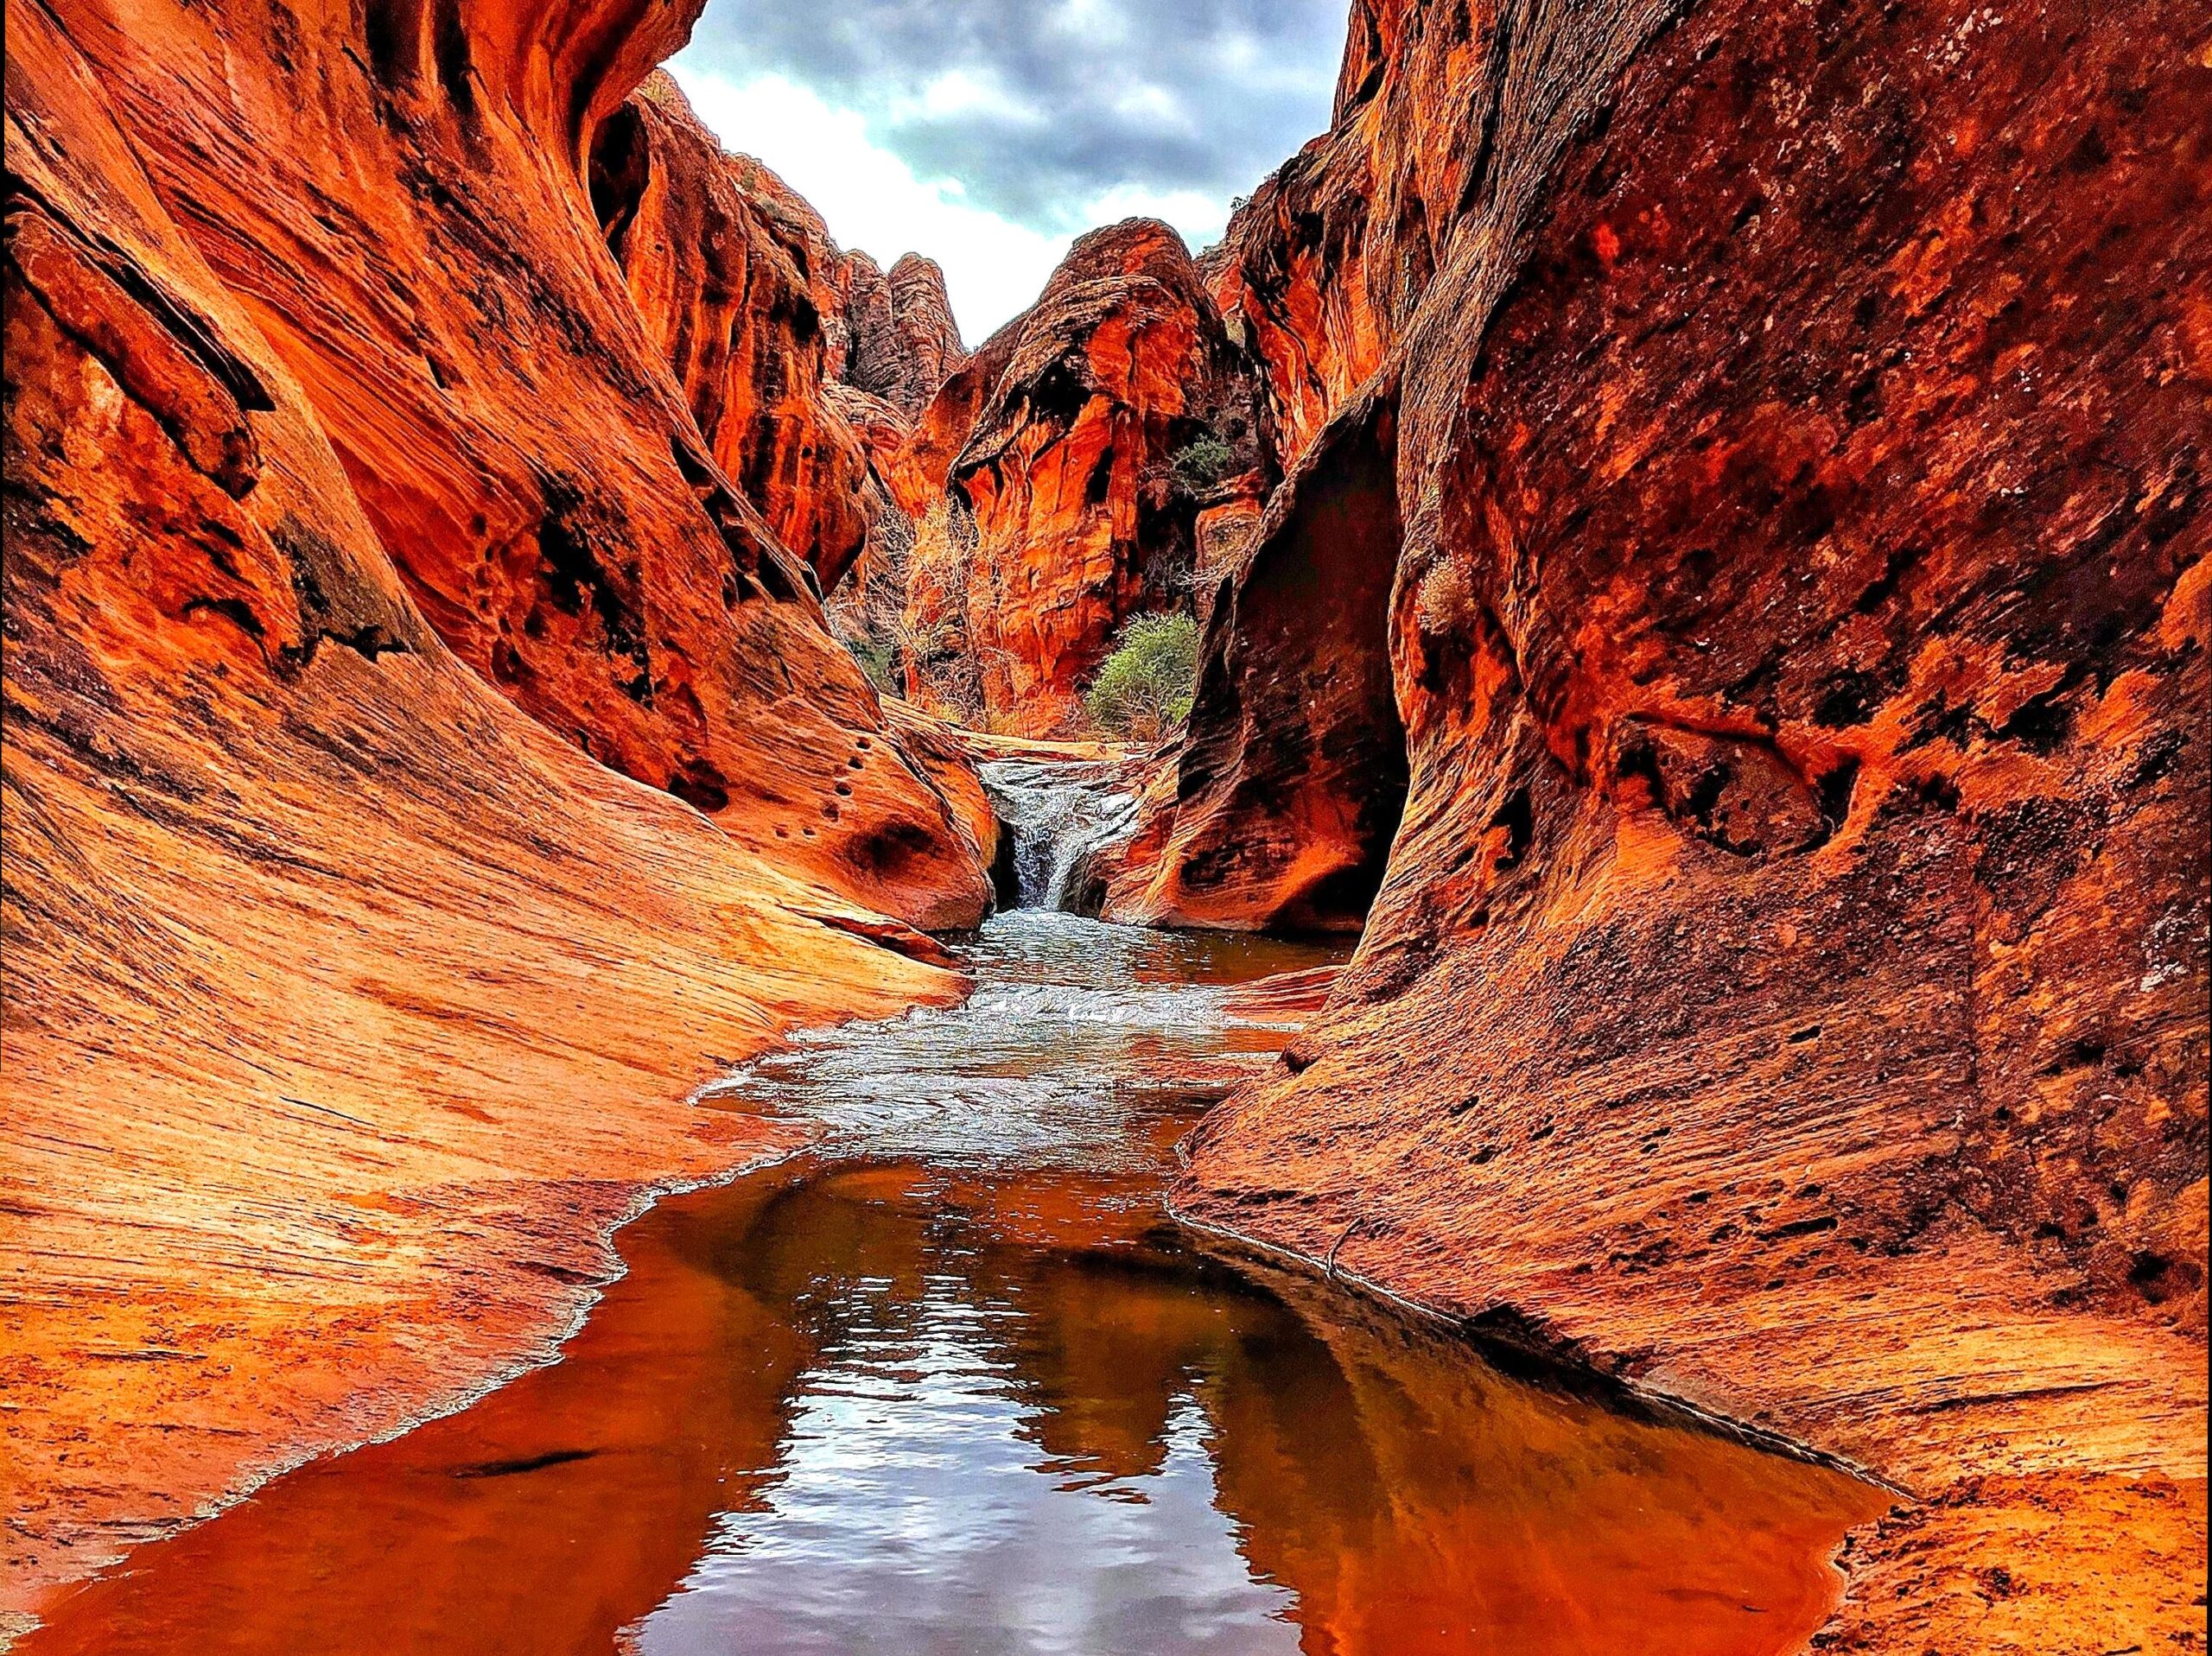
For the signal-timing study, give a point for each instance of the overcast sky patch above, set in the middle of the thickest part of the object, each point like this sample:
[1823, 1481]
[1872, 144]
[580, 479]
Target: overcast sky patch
[989, 133]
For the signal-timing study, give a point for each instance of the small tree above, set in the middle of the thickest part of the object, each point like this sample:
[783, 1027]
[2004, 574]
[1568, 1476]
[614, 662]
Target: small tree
[1201, 463]
[1143, 689]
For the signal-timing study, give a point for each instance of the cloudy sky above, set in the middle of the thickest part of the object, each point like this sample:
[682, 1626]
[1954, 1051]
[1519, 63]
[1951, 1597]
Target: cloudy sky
[989, 133]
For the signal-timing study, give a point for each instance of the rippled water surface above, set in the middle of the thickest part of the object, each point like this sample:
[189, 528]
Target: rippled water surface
[953, 1382]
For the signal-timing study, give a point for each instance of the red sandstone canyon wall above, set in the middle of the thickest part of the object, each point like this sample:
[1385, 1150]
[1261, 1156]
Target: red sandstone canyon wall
[1788, 985]
[469, 345]
[1042, 480]
[1731, 623]
[804, 365]
[735, 279]
[348, 1005]
[904, 341]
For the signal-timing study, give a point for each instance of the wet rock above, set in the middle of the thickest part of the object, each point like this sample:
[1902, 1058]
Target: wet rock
[1062, 824]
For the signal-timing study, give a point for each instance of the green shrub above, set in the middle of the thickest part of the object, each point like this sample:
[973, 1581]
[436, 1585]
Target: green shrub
[1144, 687]
[1201, 463]
[878, 659]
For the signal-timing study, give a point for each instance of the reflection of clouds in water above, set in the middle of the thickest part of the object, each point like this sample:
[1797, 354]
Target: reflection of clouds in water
[909, 1500]
[914, 1494]
[984, 1401]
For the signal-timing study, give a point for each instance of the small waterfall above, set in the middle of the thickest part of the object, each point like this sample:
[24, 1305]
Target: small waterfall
[1060, 817]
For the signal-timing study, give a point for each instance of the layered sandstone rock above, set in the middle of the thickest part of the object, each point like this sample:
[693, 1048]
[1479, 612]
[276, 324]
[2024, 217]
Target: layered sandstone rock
[804, 365]
[1323, 266]
[736, 280]
[1063, 513]
[904, 340]
[401, 202]
[346, 1005]
[1292, 772]
[1788, 984]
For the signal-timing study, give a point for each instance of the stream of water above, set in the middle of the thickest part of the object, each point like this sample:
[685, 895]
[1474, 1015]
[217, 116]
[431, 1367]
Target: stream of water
[1058, 817]
[954, 1382]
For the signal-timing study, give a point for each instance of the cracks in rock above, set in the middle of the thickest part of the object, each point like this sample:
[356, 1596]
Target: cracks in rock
[1735, 790]
[616, 176]
[159, 352]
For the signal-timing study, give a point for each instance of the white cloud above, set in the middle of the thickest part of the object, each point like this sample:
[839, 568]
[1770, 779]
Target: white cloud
[1145, 102]
[1200, 217]
[958, 92]
[1038, 106]
[872, 200]
[1091, 22]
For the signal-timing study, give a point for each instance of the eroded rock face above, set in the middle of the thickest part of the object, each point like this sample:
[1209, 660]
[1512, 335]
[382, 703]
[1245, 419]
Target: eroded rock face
[738, 283]
[470, 347]
[804, 365]
[1064, 513]
[1322, 267]
[347, 1006]
[1292, 772]
[1788, 983]
[904, 340]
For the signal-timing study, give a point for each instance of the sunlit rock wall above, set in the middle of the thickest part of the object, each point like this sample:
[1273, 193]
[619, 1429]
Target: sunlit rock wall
[400, 198]
[346, 1005]
[1062, 512]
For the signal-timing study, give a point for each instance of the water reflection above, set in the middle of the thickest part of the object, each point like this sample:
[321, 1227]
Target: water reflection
[956, 1384]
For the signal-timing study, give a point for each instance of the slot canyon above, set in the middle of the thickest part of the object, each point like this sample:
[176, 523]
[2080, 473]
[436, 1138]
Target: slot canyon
[1627, 1071]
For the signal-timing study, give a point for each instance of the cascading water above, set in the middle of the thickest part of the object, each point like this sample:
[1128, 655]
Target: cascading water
[1060, 816]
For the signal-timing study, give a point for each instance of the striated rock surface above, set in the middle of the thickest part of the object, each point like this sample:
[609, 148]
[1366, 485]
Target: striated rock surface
[804, 365]
[1291, 771]
[1322, 266]
[904, 341]
[738, 283]
[404, 201]
[923, 463]
[348, 1007]
[1055, 447]
[1788, 984]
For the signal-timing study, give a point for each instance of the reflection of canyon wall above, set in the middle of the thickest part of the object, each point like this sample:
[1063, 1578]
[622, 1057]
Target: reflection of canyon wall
[346, 1003]
[1414, 1501]
[1043, 477]
[589, 1497]
[1788, 981]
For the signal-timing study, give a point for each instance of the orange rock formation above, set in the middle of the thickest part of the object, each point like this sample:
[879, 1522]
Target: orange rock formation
[1062, 515]
[903, 339]
[1755, 457]
[734, 278]
[450, 310]
[347, 1006]
[1733, 620]
[802, 364]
